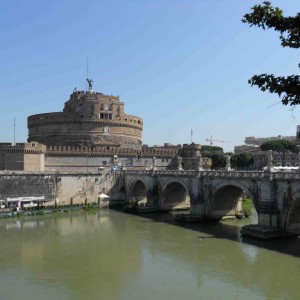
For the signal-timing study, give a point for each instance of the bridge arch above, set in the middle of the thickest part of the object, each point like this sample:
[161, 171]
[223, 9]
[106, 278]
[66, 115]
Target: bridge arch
[137, 189]
[292, 224]
[225, 199]
[175, 195]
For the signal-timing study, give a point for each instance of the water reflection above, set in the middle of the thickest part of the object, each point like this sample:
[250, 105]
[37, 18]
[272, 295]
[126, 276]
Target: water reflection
[110, 255]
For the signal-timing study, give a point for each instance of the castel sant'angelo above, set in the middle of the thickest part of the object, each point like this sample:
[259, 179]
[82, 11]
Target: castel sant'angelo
[92, 131]
[88, 119]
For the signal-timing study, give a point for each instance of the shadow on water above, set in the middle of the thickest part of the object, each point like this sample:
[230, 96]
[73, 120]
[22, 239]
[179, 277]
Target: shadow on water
[229, 230]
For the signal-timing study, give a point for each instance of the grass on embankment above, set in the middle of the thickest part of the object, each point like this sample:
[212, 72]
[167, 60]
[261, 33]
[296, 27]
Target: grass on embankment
[48, 210]
[247, 205]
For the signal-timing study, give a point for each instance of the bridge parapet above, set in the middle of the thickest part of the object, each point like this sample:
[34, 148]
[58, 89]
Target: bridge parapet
[217, 174]
[161, 172]
[233, 174]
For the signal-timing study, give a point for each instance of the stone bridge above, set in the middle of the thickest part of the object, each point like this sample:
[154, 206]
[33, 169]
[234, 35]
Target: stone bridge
[215, 194]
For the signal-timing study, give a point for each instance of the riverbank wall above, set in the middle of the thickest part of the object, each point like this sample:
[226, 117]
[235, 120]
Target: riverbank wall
[61, 188]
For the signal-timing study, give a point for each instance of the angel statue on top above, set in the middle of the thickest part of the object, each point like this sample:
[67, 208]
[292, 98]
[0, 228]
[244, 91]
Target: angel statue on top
[90, 83]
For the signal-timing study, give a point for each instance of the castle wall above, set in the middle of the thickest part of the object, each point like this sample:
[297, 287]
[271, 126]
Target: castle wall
[22, 156]
[92, 163]
[34, 162]
[12, 161]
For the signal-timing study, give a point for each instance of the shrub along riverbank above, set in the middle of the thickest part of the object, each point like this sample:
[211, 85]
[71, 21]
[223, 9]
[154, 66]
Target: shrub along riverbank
[247, 205]
[48, 210]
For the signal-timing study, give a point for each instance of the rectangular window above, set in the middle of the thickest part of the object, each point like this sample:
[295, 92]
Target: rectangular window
[104, 163]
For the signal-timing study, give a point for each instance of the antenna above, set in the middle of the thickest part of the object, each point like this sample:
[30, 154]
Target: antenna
[87, 72]
[14, 131]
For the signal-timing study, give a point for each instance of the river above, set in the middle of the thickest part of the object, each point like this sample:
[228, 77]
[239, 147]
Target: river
[110, 255]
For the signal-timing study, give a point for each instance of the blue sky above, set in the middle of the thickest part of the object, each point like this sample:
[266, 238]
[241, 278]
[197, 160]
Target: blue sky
[178, 64]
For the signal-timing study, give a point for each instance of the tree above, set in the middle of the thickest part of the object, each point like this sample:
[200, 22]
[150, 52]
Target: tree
[211, 148]
[279, 146]
[216, 154]
[266, 16]
[242, 160]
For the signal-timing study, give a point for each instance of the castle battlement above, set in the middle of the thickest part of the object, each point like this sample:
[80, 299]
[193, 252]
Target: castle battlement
[109, 151]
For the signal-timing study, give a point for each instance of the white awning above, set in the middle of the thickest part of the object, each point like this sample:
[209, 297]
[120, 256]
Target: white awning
[103, 196]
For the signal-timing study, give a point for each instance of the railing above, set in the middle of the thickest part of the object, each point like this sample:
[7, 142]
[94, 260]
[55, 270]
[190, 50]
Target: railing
[217, 174]
[176, 173]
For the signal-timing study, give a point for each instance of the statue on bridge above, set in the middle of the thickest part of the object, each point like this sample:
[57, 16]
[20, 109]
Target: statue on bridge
[227, 167]
[124, 163]
[270, 161]
[198, 166]
[154, 163]
[179, 163]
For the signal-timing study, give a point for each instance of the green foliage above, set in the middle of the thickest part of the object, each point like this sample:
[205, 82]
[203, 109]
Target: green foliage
[216, 154]
[265, 16]
[211, 148]
[218, 160]
[247, 205]
[131, 206]
[279, 146]
[242, 160]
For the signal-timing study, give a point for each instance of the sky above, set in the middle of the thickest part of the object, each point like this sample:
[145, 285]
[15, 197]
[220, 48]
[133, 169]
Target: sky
[181, 65]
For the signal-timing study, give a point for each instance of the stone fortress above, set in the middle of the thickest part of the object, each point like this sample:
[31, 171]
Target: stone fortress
[91, 132]
[88, 119]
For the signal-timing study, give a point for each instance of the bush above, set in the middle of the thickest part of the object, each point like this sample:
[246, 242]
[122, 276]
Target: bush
[247, 205]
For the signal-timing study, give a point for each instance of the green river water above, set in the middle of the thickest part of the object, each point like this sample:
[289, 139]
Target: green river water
[110, 255]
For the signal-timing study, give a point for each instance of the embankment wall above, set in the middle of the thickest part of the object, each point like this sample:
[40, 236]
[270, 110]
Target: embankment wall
[61, 188]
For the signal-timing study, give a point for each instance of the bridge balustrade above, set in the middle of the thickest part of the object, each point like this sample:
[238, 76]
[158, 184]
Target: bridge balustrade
[217, 173]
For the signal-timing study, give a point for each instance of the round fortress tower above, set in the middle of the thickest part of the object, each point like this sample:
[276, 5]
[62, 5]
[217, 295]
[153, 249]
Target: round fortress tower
[87, 119]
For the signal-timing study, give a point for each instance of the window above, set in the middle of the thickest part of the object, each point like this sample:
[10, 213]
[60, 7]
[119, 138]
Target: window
[104, 163]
